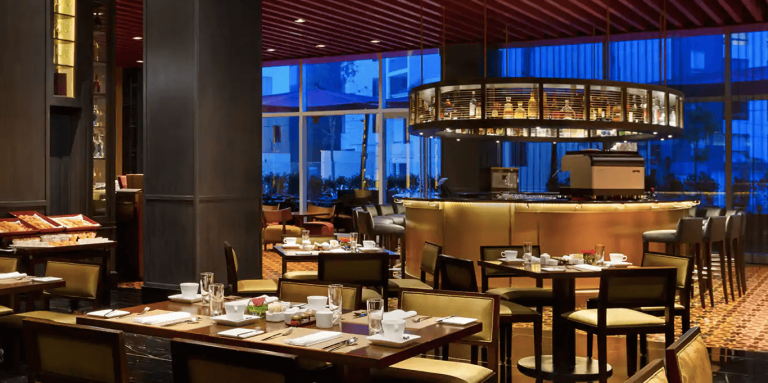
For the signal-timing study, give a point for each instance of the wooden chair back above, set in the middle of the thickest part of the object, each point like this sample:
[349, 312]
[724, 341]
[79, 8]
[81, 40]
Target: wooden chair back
[456, 274]
[8, 264]
[83, 280]
[688, 357]
[684, 266]
[654, 372]
[290, 290]
[330, 212]
[641, 287]
[493, 253]
[231, 258]
[366, 269]
[429, 261]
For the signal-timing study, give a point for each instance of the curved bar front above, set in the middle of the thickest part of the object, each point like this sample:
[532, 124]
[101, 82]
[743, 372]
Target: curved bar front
[560, 227]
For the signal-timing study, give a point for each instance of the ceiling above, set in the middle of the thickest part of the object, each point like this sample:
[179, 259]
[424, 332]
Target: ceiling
[349, 26]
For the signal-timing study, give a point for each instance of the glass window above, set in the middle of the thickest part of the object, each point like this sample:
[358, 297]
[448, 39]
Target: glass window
[402, 71]
[341, 157]
[342, 85]
[280, 159]
[565, 61]
[280, 88]
[403, 158]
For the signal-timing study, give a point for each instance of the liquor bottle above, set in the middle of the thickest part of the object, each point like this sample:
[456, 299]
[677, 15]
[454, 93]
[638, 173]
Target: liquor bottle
[533, 106]
[97, 85]
[508, 112]
[655, 111]
[472, 106]
[448, 109]
[95, 146]
[601, 112]
[662, 116]
[616, 112]
[429, 107]
[95, 51]
[495, 111]
[519, 112]
[672, 118]
[632, 113]
[499, 131]
[547, 111]
[554, 112]
[567, 112]
[482, 131]
[479, 111]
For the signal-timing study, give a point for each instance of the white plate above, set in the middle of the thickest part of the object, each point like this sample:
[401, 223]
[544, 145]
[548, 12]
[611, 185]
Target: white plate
[380, 340]
[294, 246]
[457, 320]
[618, 264]
[369, 249]
[513, 260]
[181, 299]
[247, 319]
[42, 244]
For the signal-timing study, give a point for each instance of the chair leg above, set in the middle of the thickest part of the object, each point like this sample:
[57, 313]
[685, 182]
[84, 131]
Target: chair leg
[723, 274]
[699, 268]
[508, 344]
[645, 247]
[708, 264]
[740, 267]
[602, 357]
[728, 256]
[686, 318]
[631, 354]
[473, 354]
[537, 342]
[590, 344]
[735, 259]
[643, 350]
[445, 352]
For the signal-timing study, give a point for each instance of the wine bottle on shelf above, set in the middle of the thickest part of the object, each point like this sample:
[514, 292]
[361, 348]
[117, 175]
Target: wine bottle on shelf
[616, 112]
[448, 109]
[519, 112]
[508, 112]
[567, 112]
[472, 105]
[555, 114]
[633, 113]
[479, 111]
[655, 111]
[533, 105]
[495, 111]
[97, 85]
[547, 112]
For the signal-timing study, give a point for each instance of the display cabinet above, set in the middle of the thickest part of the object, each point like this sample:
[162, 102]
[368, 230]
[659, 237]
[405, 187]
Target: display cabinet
[64, 46]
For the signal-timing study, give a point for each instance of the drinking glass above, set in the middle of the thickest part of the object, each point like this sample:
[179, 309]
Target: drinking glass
[304, 236]
[600, 253]
[527, 251]
[353, 240]
[206, 279]
[217, 299]
[375, 314]
[334, 302]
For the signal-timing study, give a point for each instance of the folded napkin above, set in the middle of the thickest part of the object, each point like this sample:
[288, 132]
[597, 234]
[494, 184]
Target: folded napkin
[241, 333]
[162, 318]
[14, 274]
[312, 339]
[108, 313]
[588, 267]
[339, 250]
[302, 253]
[399, 314]
[267, 299]
[535, 260]
[47, 279]
[552, 269]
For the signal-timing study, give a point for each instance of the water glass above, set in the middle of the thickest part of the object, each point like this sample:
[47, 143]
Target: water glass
[527, 251]
[334, 302]
[206, 279]
[217, 299]
[375, 315]
[600, 253]
[353, 237]
[304, 236]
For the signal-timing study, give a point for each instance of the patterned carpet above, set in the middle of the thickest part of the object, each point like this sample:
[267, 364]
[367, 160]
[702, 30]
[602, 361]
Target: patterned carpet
[740, 324]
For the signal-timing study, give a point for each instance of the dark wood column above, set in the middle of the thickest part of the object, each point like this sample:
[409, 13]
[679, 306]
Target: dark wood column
[202, 135]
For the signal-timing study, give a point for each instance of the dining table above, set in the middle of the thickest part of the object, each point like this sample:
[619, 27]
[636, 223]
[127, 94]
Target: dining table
[299, 217]
[290, 255]
[563, 364]
[11, 287]
[358, 360]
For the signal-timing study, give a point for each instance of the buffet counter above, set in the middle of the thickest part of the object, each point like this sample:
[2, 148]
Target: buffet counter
[559, 226]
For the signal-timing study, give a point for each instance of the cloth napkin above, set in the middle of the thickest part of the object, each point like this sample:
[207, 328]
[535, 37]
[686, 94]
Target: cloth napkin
[112, 314]
[47, 279]
[588, 267]
[399, 314]
[339, 250]
[162, 318]
[267, 299]
[14, 274]
[312, 339]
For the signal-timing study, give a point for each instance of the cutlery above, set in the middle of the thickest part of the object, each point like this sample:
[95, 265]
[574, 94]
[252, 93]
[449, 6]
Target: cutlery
[290, 330]
[417, 320]
[444, 319]
[190, 321]
[346, 343]
[146, 309]
[335, 344]
[301, 306]
[109, 312]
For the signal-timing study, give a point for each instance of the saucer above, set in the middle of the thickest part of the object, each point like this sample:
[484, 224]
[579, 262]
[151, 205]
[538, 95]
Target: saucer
[181, 299]
[380, 340]
[618, 265]
[513, 260]
[224, 320]
[293, 246]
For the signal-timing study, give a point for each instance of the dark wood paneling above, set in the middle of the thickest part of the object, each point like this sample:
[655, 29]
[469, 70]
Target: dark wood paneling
[234, 221]
[169, 251]
[22, 96]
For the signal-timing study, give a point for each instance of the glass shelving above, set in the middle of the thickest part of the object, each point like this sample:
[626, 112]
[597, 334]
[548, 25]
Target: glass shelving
[64, 48]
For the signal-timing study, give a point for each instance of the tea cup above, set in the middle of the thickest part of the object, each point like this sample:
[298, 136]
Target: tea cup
[290, 240]
[509, 254]
[324, 318]
[369, 244]
[393, 329]
[235, 310]
[317, 301]
[618, 257]
[189, 290]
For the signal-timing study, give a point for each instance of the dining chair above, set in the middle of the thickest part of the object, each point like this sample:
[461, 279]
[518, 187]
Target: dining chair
[458, 274]
[440, 304]
[8, 264]
[654, 372]
[58, 352]
[199, 362]
[688, 359]
[622, 288]
[428, 263]
[365, 269]
[734, 254]
[275, 226]
[83, 282]
[298, 291]
[714, 236]
[246, 286]
[527, 296]
[270, 207]
[321, 224]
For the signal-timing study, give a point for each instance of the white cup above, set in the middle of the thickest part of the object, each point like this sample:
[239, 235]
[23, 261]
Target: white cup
[393, 329]
[544, 259]
[317, 301]
[326, 246]
[287, 314]
[189, 290]
[369, 244]
[235, 310]
[334, 243]
[324, 318]
[509, 254]
[552, 262]
[618, 257]
[290, 240]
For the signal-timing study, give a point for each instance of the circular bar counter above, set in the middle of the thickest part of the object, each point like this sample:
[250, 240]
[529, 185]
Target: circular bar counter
[558, 226]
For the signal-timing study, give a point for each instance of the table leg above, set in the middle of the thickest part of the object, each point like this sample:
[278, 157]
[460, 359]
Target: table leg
[355, 375]
[563, 337]
[285, 266]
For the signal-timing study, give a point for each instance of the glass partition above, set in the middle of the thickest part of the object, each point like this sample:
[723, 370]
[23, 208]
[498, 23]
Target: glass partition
[280, 159]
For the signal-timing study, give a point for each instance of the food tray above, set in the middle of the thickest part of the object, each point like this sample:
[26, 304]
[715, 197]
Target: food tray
[58, 219]
[31, 230]
[57, 227]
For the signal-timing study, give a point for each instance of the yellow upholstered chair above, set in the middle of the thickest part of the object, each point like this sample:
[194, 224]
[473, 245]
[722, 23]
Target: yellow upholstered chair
[622, 288]
[443, 303]
[527, 296]
[307, 275]
[321, 224]
[59, 352]
[198, 362]
[688, 359]
[428, 263]
[366, 269]
[247, 286]
[652, 373]
[83, 282]
[9, 265]
[275, 226]
[298, 291]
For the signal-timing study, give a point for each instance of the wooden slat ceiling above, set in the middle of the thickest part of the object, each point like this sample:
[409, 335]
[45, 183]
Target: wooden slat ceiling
[349, 26]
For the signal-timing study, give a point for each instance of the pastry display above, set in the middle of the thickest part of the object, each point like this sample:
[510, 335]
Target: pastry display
[73, 222]
[37, 221]
[12, 227]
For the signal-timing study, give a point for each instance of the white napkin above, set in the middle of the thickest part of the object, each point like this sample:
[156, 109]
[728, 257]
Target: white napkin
[552, 269]
[14, 274]
[535, 260]
[267, 299]
[311, 339]
[588, 267]
[399, 314]
[112, 314]
[456, 320]
[162, 318]
[241, 333]
[47, 279]
[302, 252]
[338, 250]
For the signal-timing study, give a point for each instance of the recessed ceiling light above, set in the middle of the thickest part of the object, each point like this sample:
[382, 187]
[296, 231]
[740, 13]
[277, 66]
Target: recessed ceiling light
[300, 20]
[375, 41]
[271, 50]
[655, 132]
[138, 38]
[498, 142]
[662, 139]
[421, 134]
[458, 139]
[139, 61]
[319, 46]
[670, 136]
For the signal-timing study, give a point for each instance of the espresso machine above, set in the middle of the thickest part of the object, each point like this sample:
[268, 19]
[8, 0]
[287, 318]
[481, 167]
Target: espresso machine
[597, 174]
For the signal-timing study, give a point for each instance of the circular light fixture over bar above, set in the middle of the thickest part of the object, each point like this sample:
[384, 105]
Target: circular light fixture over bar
[545, 109]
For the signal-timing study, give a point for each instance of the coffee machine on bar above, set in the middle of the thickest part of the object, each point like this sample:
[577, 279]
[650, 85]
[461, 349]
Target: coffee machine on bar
[599, 174]
[505, 179]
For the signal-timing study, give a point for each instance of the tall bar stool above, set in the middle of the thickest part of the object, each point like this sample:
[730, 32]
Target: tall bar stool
[714, 234]
[688, 232]
[731, 260]
[388, 232]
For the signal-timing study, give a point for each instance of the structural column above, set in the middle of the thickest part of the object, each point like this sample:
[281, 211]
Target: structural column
[202, 135]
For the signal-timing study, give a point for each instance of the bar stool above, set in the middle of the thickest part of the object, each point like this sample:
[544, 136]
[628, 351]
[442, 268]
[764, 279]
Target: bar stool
[387, 232]
[732, 234]
[714, 234]
[688, 232]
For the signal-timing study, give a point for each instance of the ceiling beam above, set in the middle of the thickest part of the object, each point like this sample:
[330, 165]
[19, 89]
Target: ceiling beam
[687, 12]
[477, 11]
[531, 14]
[513, 19]
[622, 12]
[645, 13]
[708, 10]
[574, 22]
[599, 15]
[730, 10]
[657, 8]
[754, 9]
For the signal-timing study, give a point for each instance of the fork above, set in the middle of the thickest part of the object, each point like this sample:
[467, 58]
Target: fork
[290, 330]
[190, 321]
[417, 320]
[441, 320]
